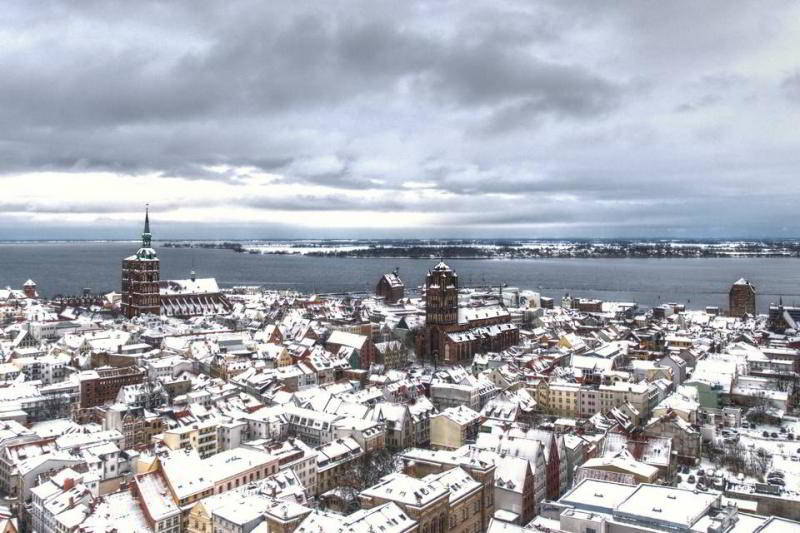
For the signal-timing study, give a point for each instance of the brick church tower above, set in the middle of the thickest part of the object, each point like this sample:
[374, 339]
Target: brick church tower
[441, 296]
[742, 299]
[140, 276]
[441, 310]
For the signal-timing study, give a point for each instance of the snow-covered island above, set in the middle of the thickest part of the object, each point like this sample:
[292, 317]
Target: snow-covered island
[509, 249]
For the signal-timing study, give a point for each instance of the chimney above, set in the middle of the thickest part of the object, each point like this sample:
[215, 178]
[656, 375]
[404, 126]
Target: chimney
[68, 484]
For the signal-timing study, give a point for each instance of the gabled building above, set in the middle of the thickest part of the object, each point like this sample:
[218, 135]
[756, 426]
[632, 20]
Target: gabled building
[454, 427]
[390, 287]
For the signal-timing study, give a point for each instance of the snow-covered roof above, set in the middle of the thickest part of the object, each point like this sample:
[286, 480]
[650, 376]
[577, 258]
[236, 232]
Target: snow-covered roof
[386, 518]
[407, 490]
[598, 495]
[344, 338]
[681, 507]
[189, 286]
[156, 496]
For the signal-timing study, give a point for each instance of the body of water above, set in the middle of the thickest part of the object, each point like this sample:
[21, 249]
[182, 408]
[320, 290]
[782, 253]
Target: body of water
[65, 268]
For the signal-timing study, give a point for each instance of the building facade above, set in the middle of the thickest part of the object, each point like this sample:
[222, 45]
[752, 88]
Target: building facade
[102, 385]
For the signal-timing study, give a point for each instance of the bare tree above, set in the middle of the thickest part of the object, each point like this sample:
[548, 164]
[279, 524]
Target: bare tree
[362, 473]
[738, 459]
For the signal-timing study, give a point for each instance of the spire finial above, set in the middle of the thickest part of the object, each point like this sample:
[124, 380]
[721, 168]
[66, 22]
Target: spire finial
[146, 236]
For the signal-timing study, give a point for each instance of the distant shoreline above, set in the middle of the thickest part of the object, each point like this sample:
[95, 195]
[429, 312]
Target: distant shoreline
[486, 249]
[510, 251]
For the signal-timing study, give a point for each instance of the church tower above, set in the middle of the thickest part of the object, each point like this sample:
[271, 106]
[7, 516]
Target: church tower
[140, 277]
[742, 299]
[441, 311]
[441, 296]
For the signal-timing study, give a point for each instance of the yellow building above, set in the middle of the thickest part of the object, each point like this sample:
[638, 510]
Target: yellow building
[425, 501]
[199, 437]
[563, 399]
[454, 427]
[465, 500]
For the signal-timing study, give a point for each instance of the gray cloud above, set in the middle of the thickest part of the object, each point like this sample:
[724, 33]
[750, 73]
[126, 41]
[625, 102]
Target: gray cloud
[498, 107]
[791, 86]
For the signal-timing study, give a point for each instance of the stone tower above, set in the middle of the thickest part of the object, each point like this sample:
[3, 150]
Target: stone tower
[742, 299]
[140, 277]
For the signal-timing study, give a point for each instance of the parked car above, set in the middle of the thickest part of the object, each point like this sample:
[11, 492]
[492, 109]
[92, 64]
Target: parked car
[701, 472]
[765, 434]
[790, 436]
[776, 481]
[774, 435]
[745, 425]
[776, 473]
[701, 486]
[691, 478]
[678, 479]
[783, 429]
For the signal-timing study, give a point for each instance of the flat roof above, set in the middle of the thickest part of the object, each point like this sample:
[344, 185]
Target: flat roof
[777, 524]
[597, 494]
[667, 504]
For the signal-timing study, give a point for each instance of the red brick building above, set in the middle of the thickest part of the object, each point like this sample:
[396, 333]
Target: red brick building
[140, 277]
[453, 335]
[29, 289]
[742, 299]
[143, 291]
[391, 287]
[103, 384]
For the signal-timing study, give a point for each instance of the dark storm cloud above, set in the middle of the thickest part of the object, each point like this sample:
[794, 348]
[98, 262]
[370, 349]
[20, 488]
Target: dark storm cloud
[70, 101]
[501, 111]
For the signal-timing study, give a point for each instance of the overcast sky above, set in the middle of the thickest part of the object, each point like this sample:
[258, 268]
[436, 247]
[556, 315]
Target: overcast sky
[466, 118]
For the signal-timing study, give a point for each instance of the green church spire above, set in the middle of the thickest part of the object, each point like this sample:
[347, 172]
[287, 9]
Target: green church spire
[146, 236]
